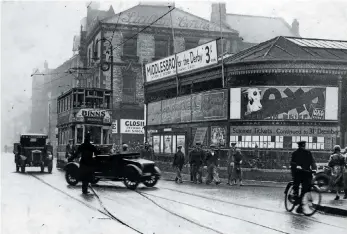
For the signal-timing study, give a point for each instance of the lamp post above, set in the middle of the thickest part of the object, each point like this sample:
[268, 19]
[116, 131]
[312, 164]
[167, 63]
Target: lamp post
[95, 58]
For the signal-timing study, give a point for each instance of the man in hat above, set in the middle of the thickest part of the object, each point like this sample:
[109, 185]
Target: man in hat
[231, 154]
[212, 158]
[337, 164]
[304, 160]
[87, 151]
[237, 174]
[125, 148]
[196, 159]
[178, 163]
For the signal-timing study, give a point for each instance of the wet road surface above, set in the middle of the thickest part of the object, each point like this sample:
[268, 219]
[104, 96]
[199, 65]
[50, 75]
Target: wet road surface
[168, 208]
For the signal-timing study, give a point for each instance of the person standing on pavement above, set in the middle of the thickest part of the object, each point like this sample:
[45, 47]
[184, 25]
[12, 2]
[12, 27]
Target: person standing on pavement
[212, 158]
[237, 169]
[301, 163]
[196, 160]
[87, 151]
[337, 163]
[178, 163]
[231, 165]
[190, 164]
[345, 175]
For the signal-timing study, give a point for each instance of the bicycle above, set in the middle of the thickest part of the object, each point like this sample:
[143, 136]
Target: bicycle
[312, 198]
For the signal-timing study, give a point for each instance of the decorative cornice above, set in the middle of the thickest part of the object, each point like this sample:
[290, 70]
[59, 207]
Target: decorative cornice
[285, 68]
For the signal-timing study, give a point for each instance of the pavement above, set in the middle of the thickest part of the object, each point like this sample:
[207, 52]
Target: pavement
[328, 204]
[43, 203]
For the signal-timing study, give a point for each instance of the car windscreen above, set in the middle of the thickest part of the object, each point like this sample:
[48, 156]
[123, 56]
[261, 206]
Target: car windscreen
[33, 142]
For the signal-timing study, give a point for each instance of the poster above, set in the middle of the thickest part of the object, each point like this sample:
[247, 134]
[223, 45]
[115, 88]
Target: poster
[176, 110]
[200, 135]
[287, 102]
[156, 143]
[167, 144]
[209, 106]
[181, 140]
[132, 126]
[154, 113]
[218, 136]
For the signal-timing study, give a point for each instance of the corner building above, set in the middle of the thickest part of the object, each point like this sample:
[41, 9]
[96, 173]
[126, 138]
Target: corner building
[278, 92]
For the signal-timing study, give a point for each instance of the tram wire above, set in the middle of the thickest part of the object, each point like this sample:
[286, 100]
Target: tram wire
[104, 211]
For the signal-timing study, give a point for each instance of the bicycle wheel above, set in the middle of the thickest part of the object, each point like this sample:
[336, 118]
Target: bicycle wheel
[311, 201]
[289, 199]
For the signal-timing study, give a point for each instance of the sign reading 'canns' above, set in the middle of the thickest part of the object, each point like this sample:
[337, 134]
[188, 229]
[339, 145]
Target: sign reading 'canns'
[198, 57]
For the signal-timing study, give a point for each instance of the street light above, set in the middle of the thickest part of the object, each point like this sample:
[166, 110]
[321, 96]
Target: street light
[95, 58]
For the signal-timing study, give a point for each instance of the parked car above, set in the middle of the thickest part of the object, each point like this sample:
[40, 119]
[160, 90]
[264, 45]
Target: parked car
[32, 151]
[126, 167]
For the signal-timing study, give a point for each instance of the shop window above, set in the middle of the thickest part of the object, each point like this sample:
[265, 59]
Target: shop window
[267, 142]
[79, 135]
[167, 144]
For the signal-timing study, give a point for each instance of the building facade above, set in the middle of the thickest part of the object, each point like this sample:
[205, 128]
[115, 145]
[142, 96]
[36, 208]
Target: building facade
[134, 45]
[277, 93]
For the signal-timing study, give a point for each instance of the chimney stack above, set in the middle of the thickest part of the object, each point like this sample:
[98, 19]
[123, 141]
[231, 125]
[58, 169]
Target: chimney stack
[295, 27]
[217, 9]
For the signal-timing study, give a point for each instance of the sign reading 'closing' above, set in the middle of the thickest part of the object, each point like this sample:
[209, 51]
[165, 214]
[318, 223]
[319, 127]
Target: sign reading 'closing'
[132, 126]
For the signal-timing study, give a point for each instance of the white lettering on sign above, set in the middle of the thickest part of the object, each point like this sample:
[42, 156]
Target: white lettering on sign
[198, 57]
[114, 127]
[132, 126]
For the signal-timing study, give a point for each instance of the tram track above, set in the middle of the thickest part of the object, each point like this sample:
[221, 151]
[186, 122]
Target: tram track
[105, 211]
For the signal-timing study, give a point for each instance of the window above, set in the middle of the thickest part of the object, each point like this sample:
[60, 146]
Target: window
[129, 87]
[130, 46]
[219, 48]
[79, 135]
[89, 56]
[105, 136]
[272, 142]
[191, 43]
[311, 142]
[163, 47]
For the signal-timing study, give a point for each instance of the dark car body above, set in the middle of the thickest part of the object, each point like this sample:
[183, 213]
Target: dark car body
[32, 151]
[126, 167]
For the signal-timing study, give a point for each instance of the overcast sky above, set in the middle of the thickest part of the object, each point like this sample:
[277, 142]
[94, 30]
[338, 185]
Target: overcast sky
[35, 31]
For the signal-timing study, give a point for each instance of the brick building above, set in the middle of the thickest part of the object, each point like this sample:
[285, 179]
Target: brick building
[133, 49]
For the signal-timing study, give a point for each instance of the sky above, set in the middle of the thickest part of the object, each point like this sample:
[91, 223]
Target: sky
[35, 31]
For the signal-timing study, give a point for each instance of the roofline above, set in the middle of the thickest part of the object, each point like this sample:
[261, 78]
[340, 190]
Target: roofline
[226, 30]
[327, 61]
[33, 134]
[320, 39]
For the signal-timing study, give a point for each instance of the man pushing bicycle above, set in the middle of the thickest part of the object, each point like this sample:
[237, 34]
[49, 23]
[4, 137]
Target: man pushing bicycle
[302, 163]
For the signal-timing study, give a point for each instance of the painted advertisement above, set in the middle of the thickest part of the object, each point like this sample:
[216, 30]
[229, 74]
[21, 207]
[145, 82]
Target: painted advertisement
[285, 103]
[176, 110]
[209, 106]
[189, 60]
[96, 116]
[154, 113]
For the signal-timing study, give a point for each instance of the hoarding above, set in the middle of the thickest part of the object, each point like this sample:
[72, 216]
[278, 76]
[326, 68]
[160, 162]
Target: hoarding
[284, 103]
[132, 126]
[204, 106]
[189, 60]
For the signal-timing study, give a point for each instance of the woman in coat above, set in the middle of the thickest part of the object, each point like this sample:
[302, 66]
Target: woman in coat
[337, 164]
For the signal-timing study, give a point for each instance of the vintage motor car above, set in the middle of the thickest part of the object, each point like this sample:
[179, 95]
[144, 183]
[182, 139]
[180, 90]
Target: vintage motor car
[126, 167]
[32, 151]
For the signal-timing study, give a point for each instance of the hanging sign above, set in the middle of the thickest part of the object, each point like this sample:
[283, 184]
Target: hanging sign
[114, 127]
[189, 60]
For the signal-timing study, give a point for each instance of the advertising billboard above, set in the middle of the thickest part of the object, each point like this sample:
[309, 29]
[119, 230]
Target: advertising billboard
[189, 60]
[284, 103]
[206, 106]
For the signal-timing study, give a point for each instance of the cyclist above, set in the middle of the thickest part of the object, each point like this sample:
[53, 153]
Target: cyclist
[301, 164]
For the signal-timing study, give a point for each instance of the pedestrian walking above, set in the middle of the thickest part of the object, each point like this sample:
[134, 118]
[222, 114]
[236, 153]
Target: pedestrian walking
[196, 160]
[231, 154]
[212, 158]
[191, 165]
[178, 163]
[337, 163]
[87, 151]
[237, 168]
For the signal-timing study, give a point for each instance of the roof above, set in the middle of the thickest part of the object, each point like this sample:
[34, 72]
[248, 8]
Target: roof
[256, 29]
[293, 48]
[144, 15]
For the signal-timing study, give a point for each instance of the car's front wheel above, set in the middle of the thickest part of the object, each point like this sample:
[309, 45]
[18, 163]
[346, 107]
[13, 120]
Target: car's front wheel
[151, 182]
[132, 177]
[71, 177]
